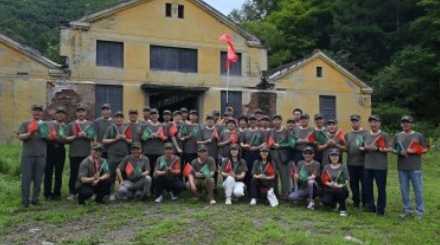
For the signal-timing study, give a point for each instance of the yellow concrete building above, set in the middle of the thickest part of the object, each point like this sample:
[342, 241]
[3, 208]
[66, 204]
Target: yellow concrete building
[317, 84]
[24, 75]
[167, 54]
[162, 53]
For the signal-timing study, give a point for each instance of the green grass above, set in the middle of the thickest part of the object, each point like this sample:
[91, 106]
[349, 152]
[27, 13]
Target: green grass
[194, 222]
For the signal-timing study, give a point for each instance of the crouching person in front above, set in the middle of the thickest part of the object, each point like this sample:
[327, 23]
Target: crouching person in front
[93, 177]
[234, 172]
[263, 178]
[166, 174]
[200, 178]
[134, 175]
[335, 178]
[306, 173]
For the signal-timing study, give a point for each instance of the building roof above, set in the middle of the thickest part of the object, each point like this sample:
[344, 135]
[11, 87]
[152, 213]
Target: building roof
[83, 22]
[29, 52]
[283, 70]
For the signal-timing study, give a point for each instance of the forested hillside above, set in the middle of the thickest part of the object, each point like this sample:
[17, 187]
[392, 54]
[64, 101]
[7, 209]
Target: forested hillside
[393, 45]
[35, 22]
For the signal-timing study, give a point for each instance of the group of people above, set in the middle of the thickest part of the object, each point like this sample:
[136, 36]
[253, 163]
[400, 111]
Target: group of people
[254, 154]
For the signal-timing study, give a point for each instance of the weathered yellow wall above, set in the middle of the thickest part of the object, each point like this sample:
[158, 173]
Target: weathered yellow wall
[301, 88]
[145, 25]
[18, 92]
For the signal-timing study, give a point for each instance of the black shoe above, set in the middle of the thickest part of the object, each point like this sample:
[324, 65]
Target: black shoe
[25, 204]
[101, 201]
[81, 202]
[56, 198]
[35, 203]
[380, 214]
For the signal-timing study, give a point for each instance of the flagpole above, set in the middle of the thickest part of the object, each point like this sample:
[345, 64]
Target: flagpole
[227, 90]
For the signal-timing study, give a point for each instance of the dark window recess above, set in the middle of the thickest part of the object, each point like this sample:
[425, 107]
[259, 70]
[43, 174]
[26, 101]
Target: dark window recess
[234, 67]
[318, 71]
[111, 94]
[234, 101]
[327, 106]
[110, 54]
[168, 9]
[173, 59]
[180, 11]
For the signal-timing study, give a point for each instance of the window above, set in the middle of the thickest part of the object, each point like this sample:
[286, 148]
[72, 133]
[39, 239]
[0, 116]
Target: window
[327, 106]
[173, 59]
[318, 71]
[168, 9]
[108, 94]
[110, 54]
[234, 67]
[180, 12]
[234, 101]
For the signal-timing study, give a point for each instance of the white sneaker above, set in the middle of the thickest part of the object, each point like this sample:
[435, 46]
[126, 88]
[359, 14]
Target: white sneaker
[311, 206]
[212, 202]
[112, 198]
[93, 197]
[159, 199]
[71, 197]
[253, 201]
[228, 201]
[343, 213]
[173, 197]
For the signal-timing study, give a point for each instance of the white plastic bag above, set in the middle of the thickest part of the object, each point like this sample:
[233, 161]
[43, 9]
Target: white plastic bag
[273, 201]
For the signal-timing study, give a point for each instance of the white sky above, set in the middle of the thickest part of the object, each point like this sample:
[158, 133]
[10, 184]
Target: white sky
[225, 6]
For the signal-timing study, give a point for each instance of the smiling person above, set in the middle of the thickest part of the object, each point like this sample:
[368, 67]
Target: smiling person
[33, 156]
[93, 177]
[263, 178]
[201, 177]
[234, 171]
[306, 173]
[134, 175]
[101, 124]
[409, 165]
[335, 178]
[376, 147]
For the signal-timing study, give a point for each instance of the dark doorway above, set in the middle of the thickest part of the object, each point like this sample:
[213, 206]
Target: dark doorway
[173, 97]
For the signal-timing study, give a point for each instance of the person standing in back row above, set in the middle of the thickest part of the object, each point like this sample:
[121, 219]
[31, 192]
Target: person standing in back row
[355, 160]
[33, 156]
[410, 147]
[376, 146]
[101, 124]
[56, 156]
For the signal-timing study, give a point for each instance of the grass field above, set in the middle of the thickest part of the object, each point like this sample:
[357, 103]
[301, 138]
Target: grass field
[188, 221]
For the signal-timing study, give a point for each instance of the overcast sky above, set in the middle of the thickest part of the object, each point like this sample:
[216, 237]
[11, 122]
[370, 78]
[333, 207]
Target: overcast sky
[225, 6]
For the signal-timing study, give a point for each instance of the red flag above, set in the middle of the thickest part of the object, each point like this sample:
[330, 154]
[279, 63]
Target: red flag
[416, 147]
[76, 129]
[270, 141]
[325, 177]
[160, 133]
[341, 136]
[128, 133]
[233, 137]
[129, 169]
[173, 130]
[270, 170]
[175, 165]
[228, 167]
[214, 134]
[380, 142]
[95, 166]
[292, 171]
[311, 137]
[232, 56]
[52, 133]
[32, 126]
[187, 170]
